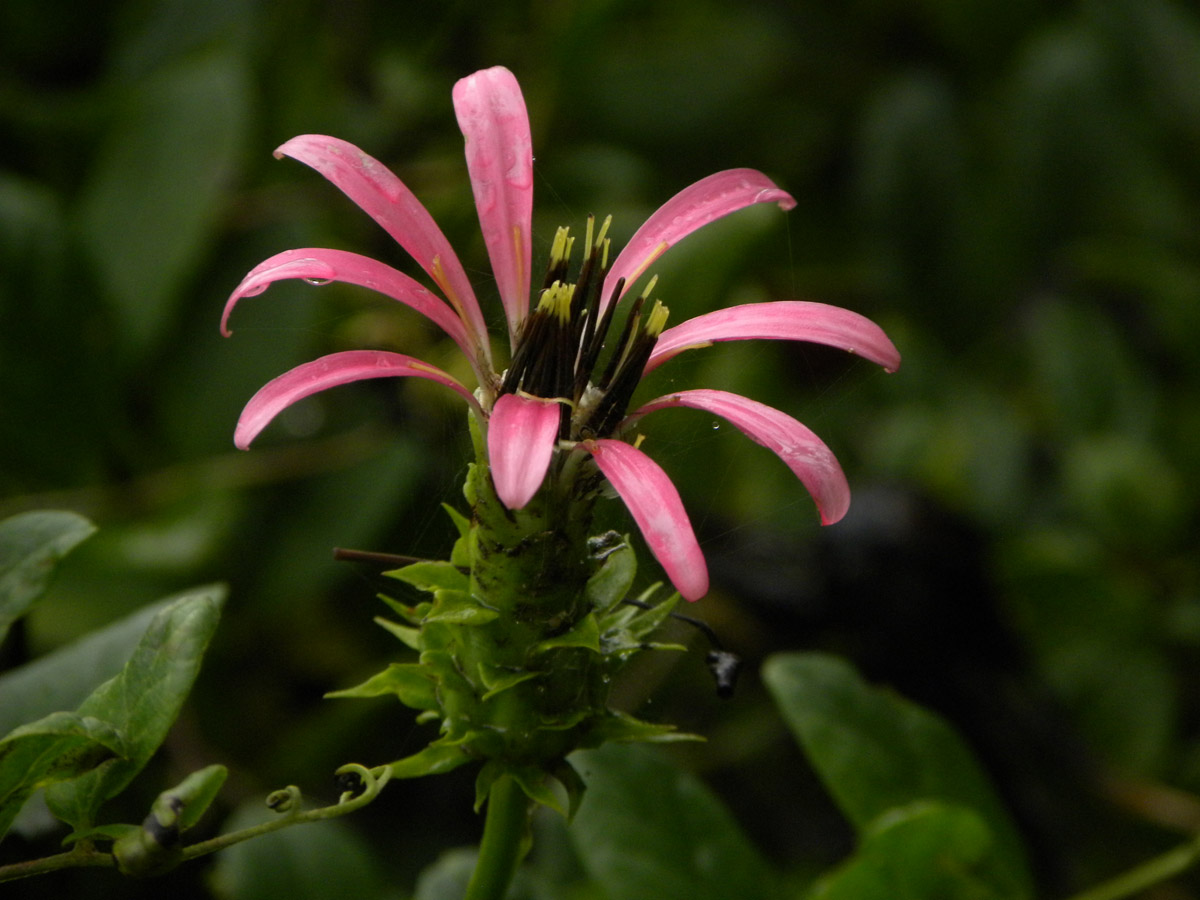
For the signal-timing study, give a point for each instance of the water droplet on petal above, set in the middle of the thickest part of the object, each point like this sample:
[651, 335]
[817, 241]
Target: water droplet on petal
[316, 271]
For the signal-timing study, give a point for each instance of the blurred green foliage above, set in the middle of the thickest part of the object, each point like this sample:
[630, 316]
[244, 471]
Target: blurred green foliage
[1010, 188]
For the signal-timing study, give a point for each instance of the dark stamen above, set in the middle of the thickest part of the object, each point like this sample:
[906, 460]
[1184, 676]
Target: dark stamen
[614, 361]
[592, 341]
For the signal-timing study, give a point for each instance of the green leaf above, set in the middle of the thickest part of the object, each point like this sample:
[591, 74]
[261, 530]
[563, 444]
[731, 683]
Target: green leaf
[59, 747]
[443, 666]
[585, 635]
[535, 782]
[914, 853]
[411, 682]
[156, 193]
[143, 700]
[433, 760]
[31, 544]
[611, 583]
[646, 829]
[432, 575]
[625, 627]
[568, 776]
[414, 615]
[622, 727]
[876, 751]
[538, 787]
[406, 634]
[62, 679]
[497, 680]
[461, 554]
[460, 608]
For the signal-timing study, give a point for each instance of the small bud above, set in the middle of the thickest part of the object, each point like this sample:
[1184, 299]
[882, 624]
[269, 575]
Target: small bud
[153, 848]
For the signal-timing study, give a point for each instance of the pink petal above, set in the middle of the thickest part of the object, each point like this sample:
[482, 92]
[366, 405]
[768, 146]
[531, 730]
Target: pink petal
[320, 266]
[522, 433]
[385, 198]
[788, 320]
[805, 454]
[695, 206]
[655, 506]
[331, 371]
[491, 113]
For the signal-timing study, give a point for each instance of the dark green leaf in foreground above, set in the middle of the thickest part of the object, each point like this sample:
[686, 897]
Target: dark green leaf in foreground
[63, 678]
[876, 752]
[31, 544]
[917, 852]
[59, 747]
[646, 829]
[143, 700]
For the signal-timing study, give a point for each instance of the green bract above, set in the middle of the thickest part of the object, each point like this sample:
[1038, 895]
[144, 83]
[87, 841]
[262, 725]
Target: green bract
[525, 629]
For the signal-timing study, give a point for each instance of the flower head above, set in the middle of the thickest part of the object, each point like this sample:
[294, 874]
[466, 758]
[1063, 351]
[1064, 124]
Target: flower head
[556, 418]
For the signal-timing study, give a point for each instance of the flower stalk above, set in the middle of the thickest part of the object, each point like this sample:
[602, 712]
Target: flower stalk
[505, 841]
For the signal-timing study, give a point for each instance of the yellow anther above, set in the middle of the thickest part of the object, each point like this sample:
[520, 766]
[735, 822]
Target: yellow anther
[560, 248]
[603, 242]
[657, 320]
[650, 286]
[556, 301]
[603, 235]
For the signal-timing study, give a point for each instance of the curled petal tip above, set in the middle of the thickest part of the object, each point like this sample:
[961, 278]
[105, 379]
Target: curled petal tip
[803, 452]
[330, 371]
[385, 198]
[320, 266]
[785, 200]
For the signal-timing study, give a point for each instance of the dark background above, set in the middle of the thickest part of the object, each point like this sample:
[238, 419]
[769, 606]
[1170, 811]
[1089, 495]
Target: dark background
[1009, 187]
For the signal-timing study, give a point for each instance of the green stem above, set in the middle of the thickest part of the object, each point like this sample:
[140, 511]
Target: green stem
[1147, 874]
[85, 856]
[504, 841]
[72, 859]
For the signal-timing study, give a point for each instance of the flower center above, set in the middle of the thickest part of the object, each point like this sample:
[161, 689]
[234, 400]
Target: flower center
[564, 338]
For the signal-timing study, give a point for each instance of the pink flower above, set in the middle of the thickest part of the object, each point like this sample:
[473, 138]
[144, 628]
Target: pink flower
[554, 407]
